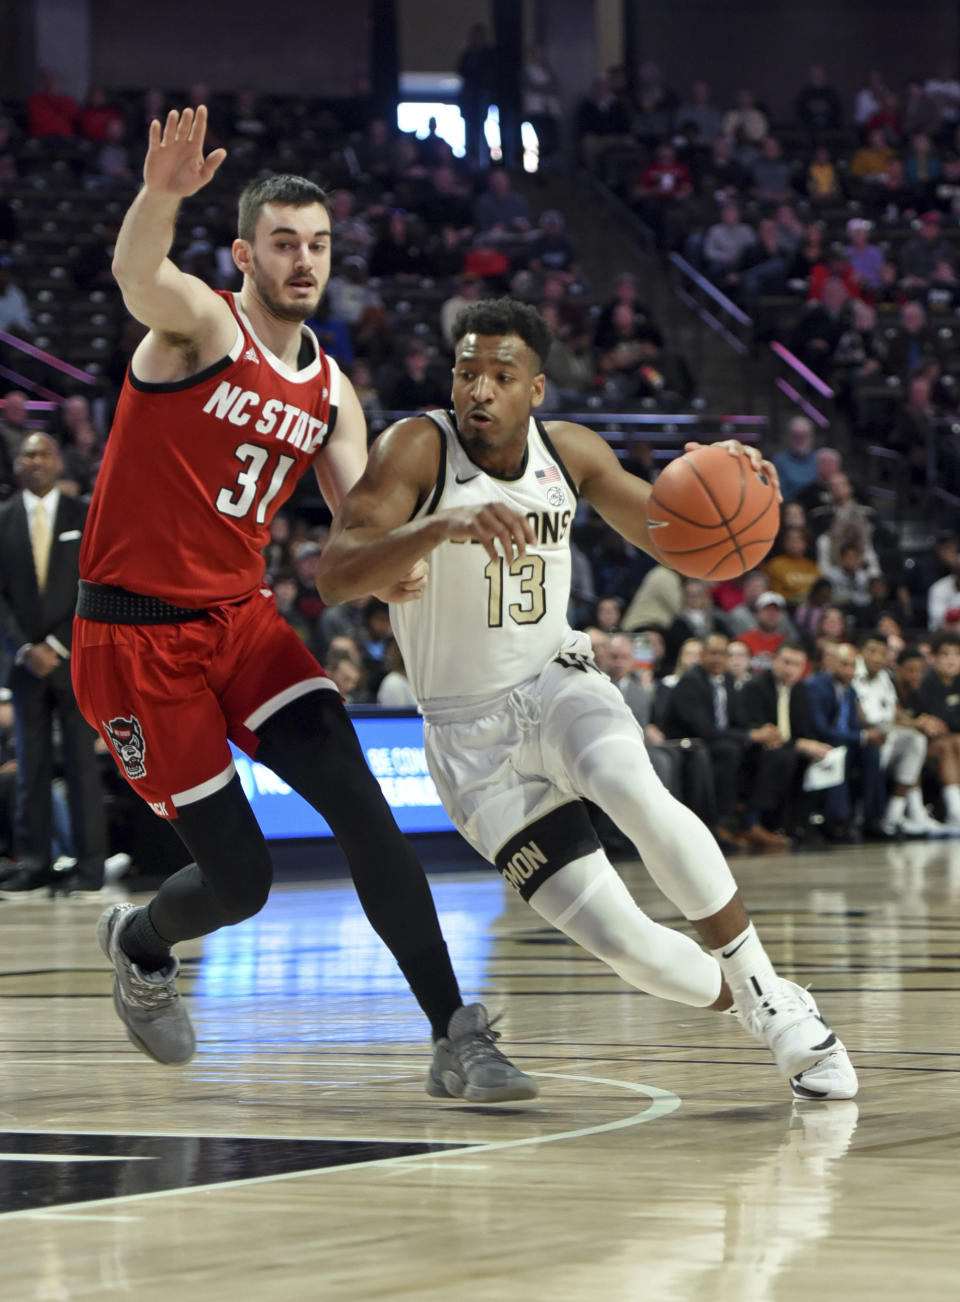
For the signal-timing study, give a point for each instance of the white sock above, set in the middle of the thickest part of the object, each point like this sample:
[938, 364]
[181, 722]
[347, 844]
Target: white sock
[951, 798]
[915, 807]
[747, 968]
[895, 808]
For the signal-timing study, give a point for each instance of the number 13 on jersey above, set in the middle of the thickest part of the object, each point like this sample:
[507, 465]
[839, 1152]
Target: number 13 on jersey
[531, 607]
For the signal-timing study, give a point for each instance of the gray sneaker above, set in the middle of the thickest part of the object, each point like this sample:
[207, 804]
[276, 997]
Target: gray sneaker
[146, 1002]
[467, 1063]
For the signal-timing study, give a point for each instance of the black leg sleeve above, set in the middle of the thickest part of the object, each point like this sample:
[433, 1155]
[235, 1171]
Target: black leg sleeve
[313, 747]
[231, 877]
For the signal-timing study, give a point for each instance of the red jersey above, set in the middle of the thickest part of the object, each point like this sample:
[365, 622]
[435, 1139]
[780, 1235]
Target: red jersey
[194, 471]
[762, 646]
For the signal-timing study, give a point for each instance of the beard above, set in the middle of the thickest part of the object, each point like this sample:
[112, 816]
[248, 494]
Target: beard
[267, 292]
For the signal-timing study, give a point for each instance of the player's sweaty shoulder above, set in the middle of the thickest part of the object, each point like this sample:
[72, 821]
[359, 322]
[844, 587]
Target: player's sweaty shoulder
[411, 450]
[414, 438]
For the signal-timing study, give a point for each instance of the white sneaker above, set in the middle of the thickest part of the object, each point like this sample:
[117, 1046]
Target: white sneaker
[952, 826]
[788, 1021]
[923, 825]
[832, 1077]
[116, 866]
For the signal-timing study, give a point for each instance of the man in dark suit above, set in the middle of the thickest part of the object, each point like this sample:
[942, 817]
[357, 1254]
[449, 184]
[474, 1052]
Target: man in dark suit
[684, 769]
[697, 618]
[836, 718]
[40, 533]
[777, 696]
[705, 704]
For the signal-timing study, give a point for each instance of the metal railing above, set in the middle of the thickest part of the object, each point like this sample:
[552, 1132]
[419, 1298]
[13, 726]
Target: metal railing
[802, 388]
[30, 383]
[712, 308]
[668, 431]
[667, 428]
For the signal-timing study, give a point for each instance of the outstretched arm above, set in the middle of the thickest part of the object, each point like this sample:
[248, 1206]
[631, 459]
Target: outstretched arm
[618, 496]
[375, 541]
[156, 291]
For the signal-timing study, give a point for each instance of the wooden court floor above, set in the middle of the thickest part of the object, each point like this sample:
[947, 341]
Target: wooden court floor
[298, 1158]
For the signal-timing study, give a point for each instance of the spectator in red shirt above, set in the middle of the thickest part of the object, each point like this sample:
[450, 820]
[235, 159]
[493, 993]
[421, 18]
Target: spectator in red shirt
[887, 119]
[768, 634]
[50, 114]
[836, 266]
[487, 262]
[665, 178]
[96, 116]
[663, 186]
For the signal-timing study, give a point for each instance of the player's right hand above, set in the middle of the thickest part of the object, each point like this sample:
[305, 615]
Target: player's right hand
[489, 524]
[175, 164]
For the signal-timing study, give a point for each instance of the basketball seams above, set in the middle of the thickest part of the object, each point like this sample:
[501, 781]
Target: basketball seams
[741, 552]
[708, 547]
[716, 504]
[684, 519]
[749, 524]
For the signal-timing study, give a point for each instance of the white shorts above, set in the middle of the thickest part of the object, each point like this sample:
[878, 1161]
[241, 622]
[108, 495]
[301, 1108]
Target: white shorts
[902, 754]
[503, 765]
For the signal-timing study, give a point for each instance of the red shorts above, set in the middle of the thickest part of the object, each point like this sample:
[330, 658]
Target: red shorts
[166, 697]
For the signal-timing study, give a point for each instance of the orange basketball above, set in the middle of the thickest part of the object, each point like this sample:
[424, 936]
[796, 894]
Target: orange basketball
[711, 515]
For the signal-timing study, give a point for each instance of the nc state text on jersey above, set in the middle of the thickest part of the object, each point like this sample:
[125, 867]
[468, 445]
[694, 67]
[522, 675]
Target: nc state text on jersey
[281, 419]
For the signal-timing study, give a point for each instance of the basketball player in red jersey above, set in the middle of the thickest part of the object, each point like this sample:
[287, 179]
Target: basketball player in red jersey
[178, 647]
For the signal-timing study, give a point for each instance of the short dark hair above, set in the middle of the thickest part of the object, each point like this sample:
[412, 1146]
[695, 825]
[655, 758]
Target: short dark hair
[790, 645]
[909, 653]
[873, 636]
[945, 638]
[505, 316]
[279, 188]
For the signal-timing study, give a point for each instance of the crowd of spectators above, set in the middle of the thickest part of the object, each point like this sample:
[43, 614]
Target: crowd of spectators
[837, 231]
[419, 233]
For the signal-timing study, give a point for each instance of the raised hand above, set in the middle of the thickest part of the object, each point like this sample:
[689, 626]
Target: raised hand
[175, 164]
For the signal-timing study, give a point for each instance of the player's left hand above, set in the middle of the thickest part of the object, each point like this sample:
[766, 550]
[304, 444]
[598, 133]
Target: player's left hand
[753, 455]
[409, 587]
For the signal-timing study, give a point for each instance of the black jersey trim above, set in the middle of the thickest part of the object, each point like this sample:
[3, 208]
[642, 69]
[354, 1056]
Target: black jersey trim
[174, 386]
[504, 479]
[334, 411]
[548, 444]
[441, 469]
[308, 352]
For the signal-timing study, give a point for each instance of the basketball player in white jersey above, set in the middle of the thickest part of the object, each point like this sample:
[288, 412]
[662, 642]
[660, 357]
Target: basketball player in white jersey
[520, 726]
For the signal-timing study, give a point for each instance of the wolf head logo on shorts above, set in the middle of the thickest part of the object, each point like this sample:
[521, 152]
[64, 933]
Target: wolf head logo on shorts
[127, 738]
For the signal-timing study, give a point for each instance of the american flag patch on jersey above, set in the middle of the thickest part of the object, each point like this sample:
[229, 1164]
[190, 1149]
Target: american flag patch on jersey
[549, 476]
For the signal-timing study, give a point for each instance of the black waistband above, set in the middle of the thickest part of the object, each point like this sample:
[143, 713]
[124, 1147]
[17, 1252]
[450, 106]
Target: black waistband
[108, 605]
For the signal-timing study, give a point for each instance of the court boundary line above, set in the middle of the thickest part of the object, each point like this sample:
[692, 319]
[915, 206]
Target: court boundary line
[662, 1103]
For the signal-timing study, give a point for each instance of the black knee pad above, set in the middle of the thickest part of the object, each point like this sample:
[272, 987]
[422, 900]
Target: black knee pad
[543, 847]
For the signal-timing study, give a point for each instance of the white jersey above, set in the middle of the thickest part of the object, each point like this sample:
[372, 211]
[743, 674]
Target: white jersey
[484, 626]
[877, 696]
